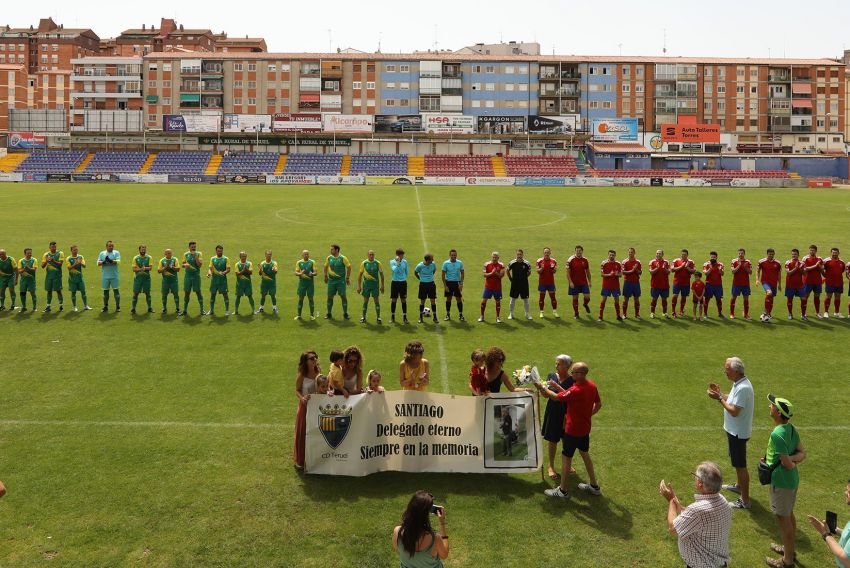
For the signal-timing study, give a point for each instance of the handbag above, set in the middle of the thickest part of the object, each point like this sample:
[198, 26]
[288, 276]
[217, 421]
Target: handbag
[766, 471]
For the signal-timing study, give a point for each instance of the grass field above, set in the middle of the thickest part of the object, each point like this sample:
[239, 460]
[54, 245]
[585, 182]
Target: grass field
[163, 442]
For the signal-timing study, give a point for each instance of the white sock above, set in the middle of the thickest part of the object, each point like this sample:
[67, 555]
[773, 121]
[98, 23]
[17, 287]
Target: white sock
[513, 303]
[525, 301]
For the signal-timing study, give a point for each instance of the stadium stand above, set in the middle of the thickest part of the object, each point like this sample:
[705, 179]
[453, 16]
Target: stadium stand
[458, 166]
[378, 165]
[635, 173]
[116, 163]
[772, 174]
[52, 161]
[249, 163]
[540, 166]
[314, 164]
[180, 163]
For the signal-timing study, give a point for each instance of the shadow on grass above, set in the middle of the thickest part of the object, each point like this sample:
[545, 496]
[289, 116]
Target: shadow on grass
[600, 513]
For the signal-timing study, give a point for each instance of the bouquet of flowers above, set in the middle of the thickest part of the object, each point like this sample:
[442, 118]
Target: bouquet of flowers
[527, 375]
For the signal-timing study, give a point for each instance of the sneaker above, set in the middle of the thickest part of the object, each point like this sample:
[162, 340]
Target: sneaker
[436, 319]
[673, 315]
[637, 317]
[838, 315]
[296, 318]
[819, 316]
[327, 316]
[23, 310]
[104, 309]
[3, 308]
[346, 316]
[405, 321]
[731, 316]
[652, 316]
[599, 319]
[790, 317]
[447, 317]
[61, 307]
[541, 314]
[704, 318]
[46, 310]
[825, 315]
[117, 309]
[528, 317]
[498, 319]
[778, 562]
[555, 314]
[421, 320]
[150, 310]
[804, 318]
[362, 320]
[133, 312]
[733, 487]
[379, 322]
[461, 318]
[510, 316]
[480, 318]
[312, 316]
[590, 488]
[721, 316]
[75, 309]
[748, 318]
[208, 313]
[164, 311]
[739, 504]
[261, 310]
[557, 492]
[184, 313]
[620, 318]
[392, 318]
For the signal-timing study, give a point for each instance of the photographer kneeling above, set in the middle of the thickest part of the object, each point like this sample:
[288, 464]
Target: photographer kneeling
[418, 545]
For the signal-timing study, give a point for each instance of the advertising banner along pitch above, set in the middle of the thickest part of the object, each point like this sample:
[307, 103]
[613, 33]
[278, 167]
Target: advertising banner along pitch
[501, 124]
[348, 123]
[247, 123]
[615, 129]
[552, 124]
[448, 123]
[301, 122]
[690, 133]
[26, 140]
[191, 122]
[422, 432]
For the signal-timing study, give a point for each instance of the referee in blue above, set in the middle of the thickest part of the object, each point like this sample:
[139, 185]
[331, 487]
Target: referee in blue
[398, 285]
[453, 275]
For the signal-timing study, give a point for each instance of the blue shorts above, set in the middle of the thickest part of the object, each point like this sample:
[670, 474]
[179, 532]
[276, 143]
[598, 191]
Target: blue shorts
[576, 290]
[631, 289]
[713, 291]
[834, 289]
[612, 292]
[809, 288]
[795, 293]
[768, 288]
[682, 289]
[546, 288]
[659, 293]
[495, 294]
[107, 283]
[740, 291]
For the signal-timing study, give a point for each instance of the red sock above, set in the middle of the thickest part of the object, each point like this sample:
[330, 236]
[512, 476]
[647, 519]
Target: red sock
[498, 308]
[826, 304]
[804, 305]
[790, 302]
[575, 305]
[719, 306]
[652, 305]
[746, 307]
[587, 300]
[554, 300]
[837, 304]
[817, 304]
[732, 307]
[483, 306]
[625, 306]
[664, 305]
[768, 305]
[541, 301]
[637, 307]
[617, 307]
[601, 308]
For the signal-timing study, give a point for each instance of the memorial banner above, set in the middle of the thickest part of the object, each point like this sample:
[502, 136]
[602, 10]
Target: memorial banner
[422, 432]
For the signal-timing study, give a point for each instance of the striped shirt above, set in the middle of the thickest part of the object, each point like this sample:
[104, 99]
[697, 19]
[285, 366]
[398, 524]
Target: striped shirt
[703, 528]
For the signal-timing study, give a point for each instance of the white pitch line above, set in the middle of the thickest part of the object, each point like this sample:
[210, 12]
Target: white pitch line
[441, 346]
[147, 424]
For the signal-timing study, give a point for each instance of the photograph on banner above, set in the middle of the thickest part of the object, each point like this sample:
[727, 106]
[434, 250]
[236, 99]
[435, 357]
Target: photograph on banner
[297, 122]
[501, 124]
[348, 123]
[247, 123]
[564, 124]
[398, 123]
[615, 129]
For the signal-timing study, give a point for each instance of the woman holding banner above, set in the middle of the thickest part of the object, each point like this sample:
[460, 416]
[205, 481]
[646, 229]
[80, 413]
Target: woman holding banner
[352, 370]
[305, 385]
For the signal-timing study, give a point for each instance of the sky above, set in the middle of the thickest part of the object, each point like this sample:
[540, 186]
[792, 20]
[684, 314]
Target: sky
[719, 28]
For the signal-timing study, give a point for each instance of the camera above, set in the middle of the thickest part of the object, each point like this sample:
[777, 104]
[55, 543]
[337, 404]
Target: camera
[436, 509]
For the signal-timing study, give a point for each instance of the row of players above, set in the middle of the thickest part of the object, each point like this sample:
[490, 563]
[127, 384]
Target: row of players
[804, 277]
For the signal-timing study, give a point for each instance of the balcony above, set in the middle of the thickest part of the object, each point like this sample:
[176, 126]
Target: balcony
[778, 78]
[801, 128]
[686, 76]
[780, 111]
[570, 75]
[779, 128]
[801, 112]
[452, 73]
[801, 78]
[665, 77]
[549, 76]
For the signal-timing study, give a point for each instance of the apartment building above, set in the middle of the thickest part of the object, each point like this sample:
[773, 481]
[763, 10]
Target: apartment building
[48, 47]
[102, 89]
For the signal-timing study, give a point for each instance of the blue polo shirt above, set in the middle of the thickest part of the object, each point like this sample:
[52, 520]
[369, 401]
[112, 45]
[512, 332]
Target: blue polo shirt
[399, 270]
[110, 270]
[426, 271]
[453, 270]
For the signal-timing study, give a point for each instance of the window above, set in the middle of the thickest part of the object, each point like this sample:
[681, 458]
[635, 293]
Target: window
[237, 84]
[252, 84]
[638, 87]
[166, 66]
[489, 86]
[706, 106]
[754, 73]
[754, 90]
[370, 84]
[404, 68]
[739, 89]
[523, 69]
[739, 106]
[476, 69]
[390, 85]
[284, 67]
[152, 118]
[166, 84]
[707, 72]
[627, 88]
[404, 86]
[490, 69]
[721, 89]
[237, 100]
[708, 88]
[390, 68]
[404, 102]
[476, 86]
[489, 104]
[627, 106]
[252, 67]
[626, 71]
[390, 102]
[509, 69]
[754, 106]
[523, 87]
[639, 106]
[44, 47]
[638, 70]
[237, 67]
[44, 59]
[509, 86]
[252, 101]
[721, 106]
[740, 72]
[607, 104]
[356, 85]
[271, 102]
[356, 102]
[152, 84]
[272, 68]
[284, 85]
[370, 102]
[166, 100]
[476, 104]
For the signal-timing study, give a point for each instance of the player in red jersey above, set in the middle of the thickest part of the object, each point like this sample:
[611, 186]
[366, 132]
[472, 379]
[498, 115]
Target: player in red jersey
[659, 283]
[494, 271]
[632, 269]
[812, 280]
[768, 276]
[698, 289]
[611, 272]
[833, 271]
[682, 269]
[578, 278]
[794, 282]
[713, 271]
[546, 268]
[741, 270]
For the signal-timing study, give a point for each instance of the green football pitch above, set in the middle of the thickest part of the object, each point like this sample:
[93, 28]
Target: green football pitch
[160, 441]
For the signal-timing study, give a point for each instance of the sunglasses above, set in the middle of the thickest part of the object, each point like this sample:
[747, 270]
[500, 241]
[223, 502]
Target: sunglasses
[312, 358]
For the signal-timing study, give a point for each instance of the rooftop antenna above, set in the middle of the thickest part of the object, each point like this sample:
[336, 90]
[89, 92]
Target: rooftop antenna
[380, 35]
[664, 49]
[330, 40]
[620, 45]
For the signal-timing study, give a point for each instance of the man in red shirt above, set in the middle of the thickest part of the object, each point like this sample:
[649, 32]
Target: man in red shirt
[659, 283]
[632, 269]
[794, 283]
[582, 403]
[578, 278]
[741, 270]
[768, 275]
[812, 280]
[682, 269]
[833, 271]
[494, 271]
[546, 268]
[611, 272]
[713, 270]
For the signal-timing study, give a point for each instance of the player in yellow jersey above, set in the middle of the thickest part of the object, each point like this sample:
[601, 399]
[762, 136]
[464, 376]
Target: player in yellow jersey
[52, 263]
[8, 279]
[244, 286]
[26, 279]
[76, 283]
[169, 267]
[268, 282]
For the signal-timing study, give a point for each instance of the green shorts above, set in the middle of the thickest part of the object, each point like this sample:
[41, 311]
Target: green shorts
[371, 289]
[192, 282]
[53, 283]
[336, 286]
[106, 283]
[75, 286]
[7, 281]
[268, 287]
[141, 285]
[306, 287]
[26, 285]
[218, 284]
[244, 288]
[169, 286]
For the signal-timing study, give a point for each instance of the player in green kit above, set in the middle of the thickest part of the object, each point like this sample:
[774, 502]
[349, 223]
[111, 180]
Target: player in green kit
[244, 286]
[218, 270]
[76, 283]
[305, 270]
[370, 283]
[52, 263]
[26, 279]
[8, 279]
[142, 266]
[168, 267]
[268, 282]
[192, 262]
[337, 277]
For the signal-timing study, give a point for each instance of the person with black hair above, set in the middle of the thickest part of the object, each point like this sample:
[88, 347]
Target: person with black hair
[419, 545]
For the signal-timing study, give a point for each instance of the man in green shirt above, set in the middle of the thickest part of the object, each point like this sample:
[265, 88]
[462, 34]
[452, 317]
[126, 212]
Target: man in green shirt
[142, 266]
[8, 279]
[169, 268]
[26, 279]
[192, 262]
[218, 270]
[785, 452]
[370, 283]
[244, 287]
[337, 277]
[305, 270]
[52, 262]
[76, 283]
[268, 282]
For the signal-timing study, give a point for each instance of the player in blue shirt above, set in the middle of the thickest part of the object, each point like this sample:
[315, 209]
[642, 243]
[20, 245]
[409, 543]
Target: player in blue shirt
[453, 275]
[398, 285]
[108, 260]
[425, 272]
